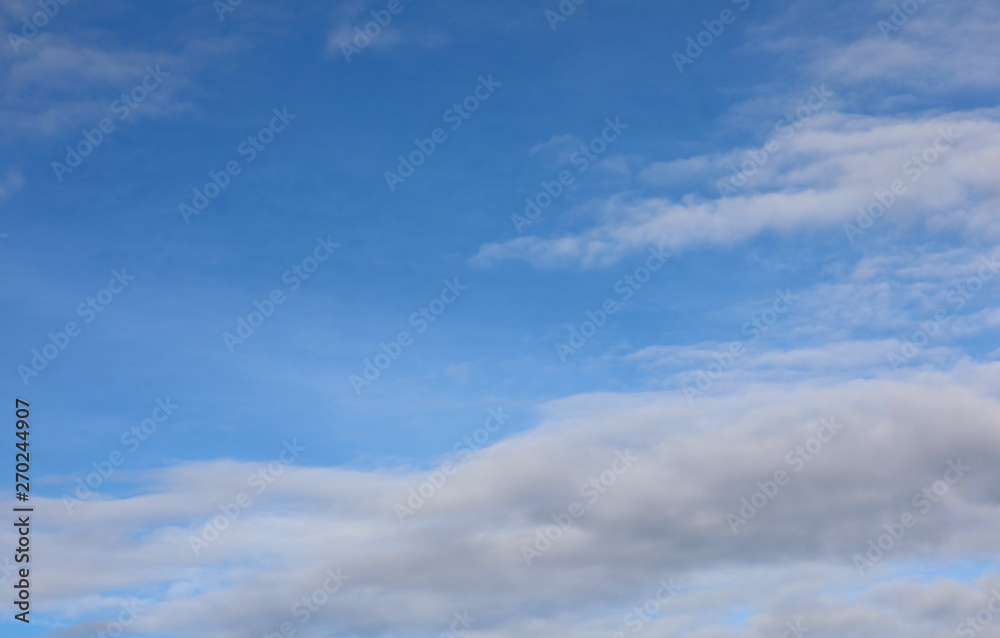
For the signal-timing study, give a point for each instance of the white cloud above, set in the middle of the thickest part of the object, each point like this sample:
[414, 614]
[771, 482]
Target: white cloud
[942, 47]
[61, 81]
[560, 147]
[665, 516]
[816, 182]
[818, 177]
[358, 29]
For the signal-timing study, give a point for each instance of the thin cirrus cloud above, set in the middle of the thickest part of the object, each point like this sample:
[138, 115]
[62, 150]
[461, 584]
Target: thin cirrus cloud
[63, 79]
[857, 325]
[369, 25]
[943, 47]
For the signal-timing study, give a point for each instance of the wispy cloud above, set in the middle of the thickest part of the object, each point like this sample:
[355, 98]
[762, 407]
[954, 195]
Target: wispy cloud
[829, 170]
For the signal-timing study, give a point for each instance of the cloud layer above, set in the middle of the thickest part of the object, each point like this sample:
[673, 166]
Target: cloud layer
[666, 513]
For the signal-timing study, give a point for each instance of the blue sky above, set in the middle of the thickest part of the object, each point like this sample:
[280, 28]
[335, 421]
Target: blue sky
[324, 177]
[816, 108]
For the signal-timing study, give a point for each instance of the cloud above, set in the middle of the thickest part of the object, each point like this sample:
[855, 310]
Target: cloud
[851, 327]
[942, 47]
[59, 81]
[817, 181]
[666, 515]
[365, 24]
[679, 171]
[559, 147]
[825, 168]
[345, 35]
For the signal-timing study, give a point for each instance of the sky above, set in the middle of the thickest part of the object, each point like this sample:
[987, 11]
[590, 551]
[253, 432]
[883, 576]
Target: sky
[424, 318]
